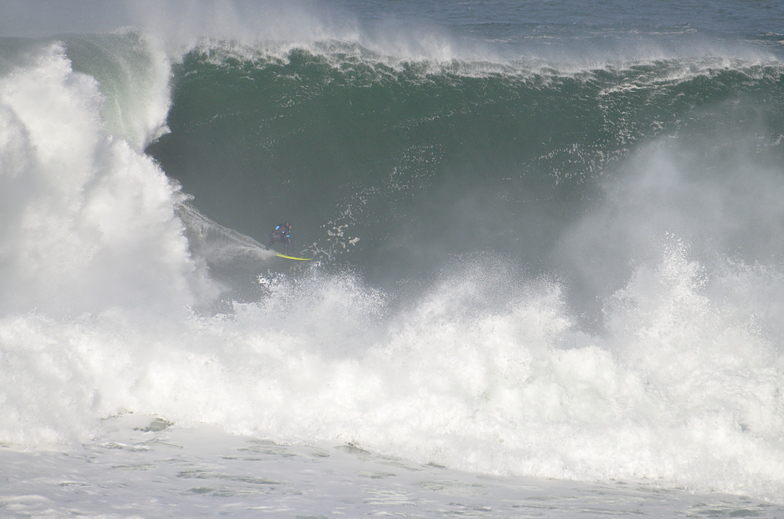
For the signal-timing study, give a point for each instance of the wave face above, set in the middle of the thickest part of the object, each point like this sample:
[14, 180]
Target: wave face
[523, 263]
[407, 163]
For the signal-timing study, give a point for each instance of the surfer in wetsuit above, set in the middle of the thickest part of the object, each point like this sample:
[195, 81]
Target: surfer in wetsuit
[281, 234]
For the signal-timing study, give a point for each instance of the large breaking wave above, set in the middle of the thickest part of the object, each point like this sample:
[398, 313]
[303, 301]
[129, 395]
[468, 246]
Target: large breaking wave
[560, 273]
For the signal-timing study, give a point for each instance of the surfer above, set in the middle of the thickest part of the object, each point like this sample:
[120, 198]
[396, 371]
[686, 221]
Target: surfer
[281, 234]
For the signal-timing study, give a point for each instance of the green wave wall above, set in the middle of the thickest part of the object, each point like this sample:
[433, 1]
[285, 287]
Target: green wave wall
[394, 166]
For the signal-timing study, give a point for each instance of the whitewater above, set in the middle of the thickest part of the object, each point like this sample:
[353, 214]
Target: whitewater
[613, 344]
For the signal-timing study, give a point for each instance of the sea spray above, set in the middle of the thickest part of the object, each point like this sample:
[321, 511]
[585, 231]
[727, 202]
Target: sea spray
[675, 392]
[132, 73]
[474, 361]
[712, 369]
[89, 220]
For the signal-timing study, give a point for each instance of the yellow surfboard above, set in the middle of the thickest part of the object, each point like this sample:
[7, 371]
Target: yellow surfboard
[292, 257]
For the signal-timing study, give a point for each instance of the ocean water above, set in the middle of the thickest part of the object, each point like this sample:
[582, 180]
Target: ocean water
[547, 268]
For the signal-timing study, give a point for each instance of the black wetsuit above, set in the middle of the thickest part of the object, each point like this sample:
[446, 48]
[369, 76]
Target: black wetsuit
[280, 234]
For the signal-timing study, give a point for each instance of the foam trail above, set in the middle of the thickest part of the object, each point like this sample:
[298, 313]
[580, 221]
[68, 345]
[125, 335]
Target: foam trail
[216, 243]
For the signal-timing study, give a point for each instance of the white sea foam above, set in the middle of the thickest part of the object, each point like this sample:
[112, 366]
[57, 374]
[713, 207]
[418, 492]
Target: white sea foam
[683, 388]
[147, 467]
[88, 219]
[681, 391]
